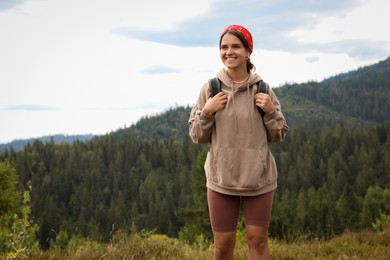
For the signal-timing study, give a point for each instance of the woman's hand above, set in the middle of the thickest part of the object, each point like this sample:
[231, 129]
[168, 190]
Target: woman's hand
[215, 104]
[263, 101]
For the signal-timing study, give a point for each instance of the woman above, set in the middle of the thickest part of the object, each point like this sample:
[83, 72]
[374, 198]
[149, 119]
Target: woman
[240, 168]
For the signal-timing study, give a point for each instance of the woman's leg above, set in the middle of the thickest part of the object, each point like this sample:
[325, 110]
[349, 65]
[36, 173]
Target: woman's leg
[223, 210]
[224, 243]
[257, 240]
[257, 215]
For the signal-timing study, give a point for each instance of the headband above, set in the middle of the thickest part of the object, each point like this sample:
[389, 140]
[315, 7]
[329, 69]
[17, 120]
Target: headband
[244, 32]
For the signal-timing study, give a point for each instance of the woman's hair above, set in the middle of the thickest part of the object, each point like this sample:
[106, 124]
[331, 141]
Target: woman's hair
[249, 64]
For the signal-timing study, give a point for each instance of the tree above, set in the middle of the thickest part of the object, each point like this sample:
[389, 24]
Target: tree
[372, 205]
[17, 231]
[348, 208]
[196, 218]
[9, 194]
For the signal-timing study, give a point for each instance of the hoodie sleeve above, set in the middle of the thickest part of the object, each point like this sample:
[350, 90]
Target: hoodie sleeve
[275, 123]
[201, 125]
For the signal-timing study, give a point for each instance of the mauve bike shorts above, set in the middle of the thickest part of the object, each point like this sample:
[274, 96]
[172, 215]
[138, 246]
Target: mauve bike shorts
[224, 210]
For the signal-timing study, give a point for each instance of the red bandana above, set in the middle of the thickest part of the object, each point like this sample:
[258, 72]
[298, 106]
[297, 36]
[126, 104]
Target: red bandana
[247, 35]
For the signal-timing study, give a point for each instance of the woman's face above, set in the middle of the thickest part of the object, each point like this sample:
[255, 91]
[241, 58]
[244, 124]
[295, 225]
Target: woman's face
[233, 52]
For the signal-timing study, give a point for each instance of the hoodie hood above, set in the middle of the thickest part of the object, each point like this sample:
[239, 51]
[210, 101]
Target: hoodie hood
[227, 81]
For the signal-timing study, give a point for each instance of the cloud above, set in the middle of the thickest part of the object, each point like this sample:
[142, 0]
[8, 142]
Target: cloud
[361, 49]
[9, 4]
[312, 59]
[144, 106]
[271, 24]
[30, 107]
[159, 69]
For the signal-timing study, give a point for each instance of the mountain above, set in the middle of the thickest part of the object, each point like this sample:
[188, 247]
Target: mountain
[20, 144]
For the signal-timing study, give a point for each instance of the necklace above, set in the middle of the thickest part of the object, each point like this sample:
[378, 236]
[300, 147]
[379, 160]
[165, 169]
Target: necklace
[238, 82]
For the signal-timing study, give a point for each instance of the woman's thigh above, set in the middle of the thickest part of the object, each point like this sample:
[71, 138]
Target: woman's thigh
[257, 209]
[223, 210]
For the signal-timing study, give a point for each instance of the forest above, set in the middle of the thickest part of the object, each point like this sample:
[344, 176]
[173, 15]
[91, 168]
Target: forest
[333, 170]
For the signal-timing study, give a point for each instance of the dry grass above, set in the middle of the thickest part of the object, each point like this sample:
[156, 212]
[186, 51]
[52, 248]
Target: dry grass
[363, 245]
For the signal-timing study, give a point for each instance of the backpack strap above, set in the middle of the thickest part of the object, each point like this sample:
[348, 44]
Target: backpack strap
[262, 87]
[215, 86]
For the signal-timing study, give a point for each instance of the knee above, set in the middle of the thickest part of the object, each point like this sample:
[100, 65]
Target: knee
[257, 241]
[224, 247]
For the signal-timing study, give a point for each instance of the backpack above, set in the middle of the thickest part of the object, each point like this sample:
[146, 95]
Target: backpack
[215, 87]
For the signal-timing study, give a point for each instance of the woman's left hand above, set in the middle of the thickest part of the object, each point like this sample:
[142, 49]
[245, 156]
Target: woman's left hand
[263, 101]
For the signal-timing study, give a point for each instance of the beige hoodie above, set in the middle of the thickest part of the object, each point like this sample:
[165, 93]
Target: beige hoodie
[239, 161]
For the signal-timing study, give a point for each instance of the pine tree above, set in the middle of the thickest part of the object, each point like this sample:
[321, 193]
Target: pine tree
[196, 219]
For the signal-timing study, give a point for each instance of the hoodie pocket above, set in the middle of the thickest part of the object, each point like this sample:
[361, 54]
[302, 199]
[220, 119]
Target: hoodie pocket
[240, 168]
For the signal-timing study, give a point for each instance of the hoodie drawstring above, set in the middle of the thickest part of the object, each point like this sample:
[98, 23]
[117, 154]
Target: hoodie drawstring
[250, 108]
[234, 110]
[250, 104]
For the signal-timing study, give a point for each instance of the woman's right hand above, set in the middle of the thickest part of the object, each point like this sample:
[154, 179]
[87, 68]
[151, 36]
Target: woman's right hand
[214, 104]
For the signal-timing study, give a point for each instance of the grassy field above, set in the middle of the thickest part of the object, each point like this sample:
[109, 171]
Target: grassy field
[363, 245]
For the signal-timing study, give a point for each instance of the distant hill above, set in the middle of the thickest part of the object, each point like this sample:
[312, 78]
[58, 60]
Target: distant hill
[18, 145]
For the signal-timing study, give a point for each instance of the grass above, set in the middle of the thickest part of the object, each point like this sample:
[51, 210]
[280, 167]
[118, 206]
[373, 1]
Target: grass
[362, 245]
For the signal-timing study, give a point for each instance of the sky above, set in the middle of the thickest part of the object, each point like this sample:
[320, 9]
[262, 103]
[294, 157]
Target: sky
[92, 67]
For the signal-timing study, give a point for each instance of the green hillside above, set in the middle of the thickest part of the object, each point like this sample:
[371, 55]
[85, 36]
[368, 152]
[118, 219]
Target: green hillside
[362, 94]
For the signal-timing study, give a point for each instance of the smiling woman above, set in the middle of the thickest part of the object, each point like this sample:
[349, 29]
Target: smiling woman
[240, 168]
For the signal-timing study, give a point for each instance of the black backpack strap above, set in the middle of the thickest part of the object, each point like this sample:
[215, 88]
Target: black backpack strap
[215, 86]
[262, 87]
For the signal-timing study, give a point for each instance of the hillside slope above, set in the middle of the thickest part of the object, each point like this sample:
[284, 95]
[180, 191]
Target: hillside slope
[363, 94]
